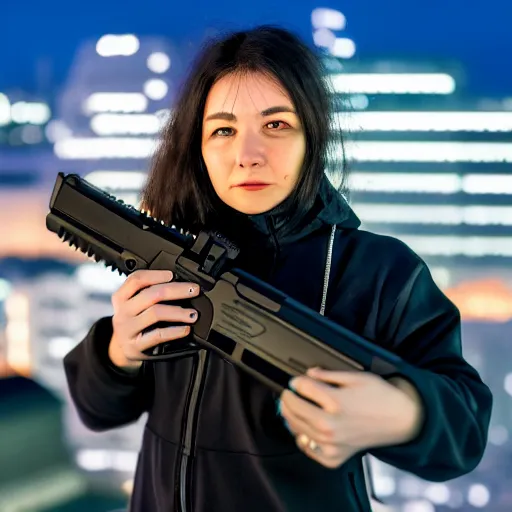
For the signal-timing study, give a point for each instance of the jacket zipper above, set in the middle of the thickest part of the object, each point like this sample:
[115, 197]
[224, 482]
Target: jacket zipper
[189, 434]
[272, 231]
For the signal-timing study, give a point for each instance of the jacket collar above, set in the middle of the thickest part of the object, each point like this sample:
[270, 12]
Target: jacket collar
[330, 208]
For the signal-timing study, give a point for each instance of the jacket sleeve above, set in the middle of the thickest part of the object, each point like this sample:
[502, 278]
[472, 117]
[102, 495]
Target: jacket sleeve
[425, 330]
[105, 396]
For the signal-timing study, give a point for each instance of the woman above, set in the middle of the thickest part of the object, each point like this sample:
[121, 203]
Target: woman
[245, 154]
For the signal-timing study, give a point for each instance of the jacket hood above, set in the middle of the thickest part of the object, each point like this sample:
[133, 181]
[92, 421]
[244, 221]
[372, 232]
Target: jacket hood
[329, 208]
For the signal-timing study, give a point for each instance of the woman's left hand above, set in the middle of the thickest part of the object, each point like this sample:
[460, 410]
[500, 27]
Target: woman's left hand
[355, 411]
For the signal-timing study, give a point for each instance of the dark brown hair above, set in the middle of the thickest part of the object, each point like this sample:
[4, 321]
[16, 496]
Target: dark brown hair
[178, 189]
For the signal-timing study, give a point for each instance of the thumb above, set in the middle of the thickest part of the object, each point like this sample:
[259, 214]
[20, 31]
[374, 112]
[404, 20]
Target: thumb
[349, 378]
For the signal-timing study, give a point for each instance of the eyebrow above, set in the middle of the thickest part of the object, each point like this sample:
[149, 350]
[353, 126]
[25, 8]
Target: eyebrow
[228, 116]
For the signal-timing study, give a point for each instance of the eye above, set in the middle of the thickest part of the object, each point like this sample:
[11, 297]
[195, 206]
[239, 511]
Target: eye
[277, 125]
[222, 132]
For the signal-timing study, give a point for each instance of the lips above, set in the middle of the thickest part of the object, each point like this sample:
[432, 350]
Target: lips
[253, 186]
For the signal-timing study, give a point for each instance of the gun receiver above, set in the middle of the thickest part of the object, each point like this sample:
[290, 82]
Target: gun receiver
[249, 323]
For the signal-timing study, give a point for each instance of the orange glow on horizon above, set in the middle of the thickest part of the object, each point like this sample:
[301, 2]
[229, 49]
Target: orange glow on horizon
[23, 230]
[488, 300]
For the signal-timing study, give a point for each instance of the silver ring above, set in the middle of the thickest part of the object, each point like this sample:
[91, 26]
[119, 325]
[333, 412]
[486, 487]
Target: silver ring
[306, 442]
[313, 446]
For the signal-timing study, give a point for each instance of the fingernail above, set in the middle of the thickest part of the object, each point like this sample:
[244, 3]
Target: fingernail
[193, 289]
[193, 315]
[171, 275]
[279, 407]
[293, 384]
[287, 425]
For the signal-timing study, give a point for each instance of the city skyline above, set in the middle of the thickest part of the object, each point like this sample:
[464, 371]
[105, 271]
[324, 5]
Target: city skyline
[40, 42]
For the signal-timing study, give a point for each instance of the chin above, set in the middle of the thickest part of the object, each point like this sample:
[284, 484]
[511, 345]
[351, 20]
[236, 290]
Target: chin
[255, 208]
[252, 210]
[253, 203]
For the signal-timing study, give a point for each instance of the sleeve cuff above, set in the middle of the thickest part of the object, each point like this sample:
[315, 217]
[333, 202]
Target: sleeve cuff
[98, 343]
[412, 450]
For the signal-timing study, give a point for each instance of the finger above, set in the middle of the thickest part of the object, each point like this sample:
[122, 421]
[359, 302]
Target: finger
[338, 378]
[318, 419]
[282, 418]
[309, 446]
[138, 280]
[299, 425]
[292, 431]
[156, 336]
[300, 406]
[160, 293]
[162, 313]
[296, 425]
[321, 393]
[320, 451]
[330, 456]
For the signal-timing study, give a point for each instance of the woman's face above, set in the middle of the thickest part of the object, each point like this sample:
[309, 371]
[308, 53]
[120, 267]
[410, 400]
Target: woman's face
[253, 143]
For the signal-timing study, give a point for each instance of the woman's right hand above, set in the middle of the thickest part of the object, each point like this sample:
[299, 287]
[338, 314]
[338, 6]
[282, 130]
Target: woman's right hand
[136, 307]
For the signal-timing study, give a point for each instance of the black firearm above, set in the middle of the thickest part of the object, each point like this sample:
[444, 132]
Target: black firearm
[249, 323]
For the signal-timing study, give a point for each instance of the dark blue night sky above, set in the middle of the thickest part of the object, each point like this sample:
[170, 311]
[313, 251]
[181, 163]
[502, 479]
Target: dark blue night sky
[479, 34]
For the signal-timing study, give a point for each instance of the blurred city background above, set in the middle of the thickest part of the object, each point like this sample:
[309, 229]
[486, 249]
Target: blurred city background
[424, 92]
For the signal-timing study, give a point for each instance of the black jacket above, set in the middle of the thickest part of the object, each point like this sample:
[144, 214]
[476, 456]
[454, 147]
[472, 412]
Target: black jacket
[213, 440]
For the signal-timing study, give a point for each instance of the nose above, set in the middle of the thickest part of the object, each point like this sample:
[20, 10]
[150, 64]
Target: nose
[250, 151]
